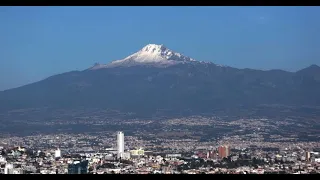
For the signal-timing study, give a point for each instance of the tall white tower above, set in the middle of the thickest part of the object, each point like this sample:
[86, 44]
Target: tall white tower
[57, 153]
[120, 143]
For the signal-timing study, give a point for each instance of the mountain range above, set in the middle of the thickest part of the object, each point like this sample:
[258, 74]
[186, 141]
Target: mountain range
[158, 79]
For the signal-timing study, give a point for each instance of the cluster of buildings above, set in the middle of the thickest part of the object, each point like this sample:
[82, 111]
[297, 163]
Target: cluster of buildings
[218, 153]
[81, 166]
[200, 159]
[121, 153]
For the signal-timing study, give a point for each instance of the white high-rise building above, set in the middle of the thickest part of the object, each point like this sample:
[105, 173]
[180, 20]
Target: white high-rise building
[57, 153]
[120, 143]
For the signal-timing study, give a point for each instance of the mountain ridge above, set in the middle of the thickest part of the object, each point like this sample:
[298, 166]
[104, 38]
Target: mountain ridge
[195, 86]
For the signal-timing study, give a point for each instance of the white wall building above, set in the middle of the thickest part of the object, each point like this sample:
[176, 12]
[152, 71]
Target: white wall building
[17, 171]
[8, 169]
[126, 155]
[120, 143]
[2, 159]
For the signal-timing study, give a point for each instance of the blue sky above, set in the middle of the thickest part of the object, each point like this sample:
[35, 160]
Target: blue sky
[37, 42]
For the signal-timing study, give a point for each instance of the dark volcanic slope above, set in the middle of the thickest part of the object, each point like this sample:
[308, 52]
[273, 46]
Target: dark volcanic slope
[198, 87]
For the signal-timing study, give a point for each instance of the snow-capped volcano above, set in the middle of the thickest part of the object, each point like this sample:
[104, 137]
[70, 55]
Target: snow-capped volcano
[151, 54]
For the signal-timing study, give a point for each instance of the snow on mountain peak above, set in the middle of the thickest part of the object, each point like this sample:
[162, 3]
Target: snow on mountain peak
[151, 48]
[154, 53]
[151, 54]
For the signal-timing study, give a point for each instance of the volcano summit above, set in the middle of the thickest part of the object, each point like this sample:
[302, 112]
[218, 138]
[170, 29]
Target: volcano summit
[150, 55]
